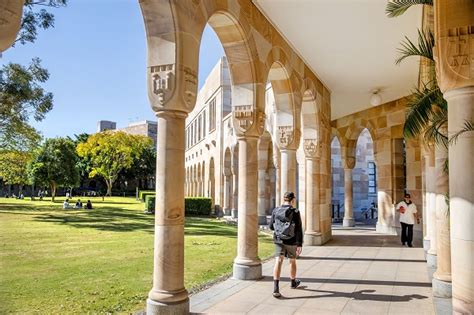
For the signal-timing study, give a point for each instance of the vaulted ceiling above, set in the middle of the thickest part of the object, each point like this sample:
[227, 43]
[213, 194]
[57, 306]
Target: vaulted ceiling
[351, 45]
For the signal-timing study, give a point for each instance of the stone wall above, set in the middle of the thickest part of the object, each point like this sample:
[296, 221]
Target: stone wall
[397, 159]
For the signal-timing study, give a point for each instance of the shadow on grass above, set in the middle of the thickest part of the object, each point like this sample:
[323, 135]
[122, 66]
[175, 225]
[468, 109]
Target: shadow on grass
[113, 219]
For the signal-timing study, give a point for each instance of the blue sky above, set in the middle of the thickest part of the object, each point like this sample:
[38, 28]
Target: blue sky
[96, 56]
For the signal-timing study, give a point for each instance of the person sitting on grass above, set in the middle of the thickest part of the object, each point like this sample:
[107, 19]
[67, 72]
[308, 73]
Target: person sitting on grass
[89, 205]
[78, 204]
[66, 204]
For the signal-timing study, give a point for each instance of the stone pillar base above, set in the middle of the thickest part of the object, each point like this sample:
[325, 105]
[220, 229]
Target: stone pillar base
[348, 222]
[313, 239]
[426, 245]
[227, 212]
[442, 289]
[154, 307]
[234, 213]
[262, 220]
[247, 272]
[385, 229]
[432, 260]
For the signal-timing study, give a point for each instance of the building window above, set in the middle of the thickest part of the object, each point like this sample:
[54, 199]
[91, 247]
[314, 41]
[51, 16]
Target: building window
[204, 123]
[199, 128]
[212, 115]
[372, 177]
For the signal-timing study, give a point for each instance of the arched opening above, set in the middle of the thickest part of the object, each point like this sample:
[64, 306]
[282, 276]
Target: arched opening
[280, 103]
[337, 171]
[365, 180]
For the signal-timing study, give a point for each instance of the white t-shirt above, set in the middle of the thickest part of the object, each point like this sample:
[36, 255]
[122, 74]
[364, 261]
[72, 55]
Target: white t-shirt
[408, 217]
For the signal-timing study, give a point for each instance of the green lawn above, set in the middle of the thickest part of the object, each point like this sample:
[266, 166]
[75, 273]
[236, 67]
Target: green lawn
[76, 261]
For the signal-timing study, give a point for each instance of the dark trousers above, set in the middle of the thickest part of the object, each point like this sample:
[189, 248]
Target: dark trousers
[407, 233]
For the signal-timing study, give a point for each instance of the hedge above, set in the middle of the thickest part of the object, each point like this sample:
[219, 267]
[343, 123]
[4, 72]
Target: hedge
[150, 203]
[198, 206]
[143, 193]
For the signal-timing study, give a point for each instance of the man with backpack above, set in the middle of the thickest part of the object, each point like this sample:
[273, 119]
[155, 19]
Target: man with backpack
[288, 239]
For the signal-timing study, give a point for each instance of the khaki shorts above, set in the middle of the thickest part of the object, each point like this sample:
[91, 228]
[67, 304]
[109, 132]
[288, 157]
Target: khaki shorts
[285, 250]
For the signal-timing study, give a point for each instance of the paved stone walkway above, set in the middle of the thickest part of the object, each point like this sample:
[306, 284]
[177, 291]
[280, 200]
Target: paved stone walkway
[359, 271]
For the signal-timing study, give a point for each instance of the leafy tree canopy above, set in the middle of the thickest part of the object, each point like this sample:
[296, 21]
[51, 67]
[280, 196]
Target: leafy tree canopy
[54, 164]
[111, 152]
[34, 19]
[13, 167]
[22, 97]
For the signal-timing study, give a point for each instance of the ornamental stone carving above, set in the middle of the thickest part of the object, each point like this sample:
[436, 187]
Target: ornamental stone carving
[349, 162]
[190, 87]
[243, 117]
[162, 83]
[310, 147]
[454, 50]
[285, 136]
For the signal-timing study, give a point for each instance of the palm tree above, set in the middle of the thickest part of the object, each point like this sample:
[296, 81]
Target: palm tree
[427, 113]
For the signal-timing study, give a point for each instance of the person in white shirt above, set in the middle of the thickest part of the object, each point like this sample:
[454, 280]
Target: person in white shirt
[408, 215]
[66, 204]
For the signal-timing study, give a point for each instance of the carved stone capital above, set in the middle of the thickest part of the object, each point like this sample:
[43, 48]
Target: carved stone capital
[172, 87]
[285, 136]
[311, 148]
[248, 121]
[454, 50]
[349, 162]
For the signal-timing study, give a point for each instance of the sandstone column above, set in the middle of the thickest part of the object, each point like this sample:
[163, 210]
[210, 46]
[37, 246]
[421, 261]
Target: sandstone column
[427, 179]
[349, 164]
[312, 235]
[461, 191]
[431, 255]
[262, 187]
[442, 276]
[227, 195]
[235, 191]
[247, 264]
[288, 171]
[168, 290]
[277, 163]
[454, 55]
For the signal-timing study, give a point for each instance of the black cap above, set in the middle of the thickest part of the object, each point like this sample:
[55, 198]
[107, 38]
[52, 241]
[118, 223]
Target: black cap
[288, 196]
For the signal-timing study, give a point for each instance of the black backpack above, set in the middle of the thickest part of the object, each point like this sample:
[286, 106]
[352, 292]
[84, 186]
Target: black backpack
[283, 224]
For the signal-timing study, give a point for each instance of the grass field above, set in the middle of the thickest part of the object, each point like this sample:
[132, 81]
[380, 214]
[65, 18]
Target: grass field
[99, 261]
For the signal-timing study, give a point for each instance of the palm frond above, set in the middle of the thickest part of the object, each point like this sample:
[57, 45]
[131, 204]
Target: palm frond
[436, 129]
[398, 7]
[468, 126]
[424, 48]
[420, 109]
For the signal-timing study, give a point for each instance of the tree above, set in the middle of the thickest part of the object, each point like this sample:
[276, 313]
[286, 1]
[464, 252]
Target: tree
[110, 153]
[54, 164]
[32, 19]
[144, 165]
[427, 113]
[21, 96]
[84, 163]
[13, 167]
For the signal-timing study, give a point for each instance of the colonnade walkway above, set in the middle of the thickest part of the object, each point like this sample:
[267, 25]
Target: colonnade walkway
[359, 271]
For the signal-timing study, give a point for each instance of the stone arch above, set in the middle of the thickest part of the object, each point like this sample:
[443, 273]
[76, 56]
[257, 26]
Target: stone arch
[285, 82]
[352, 134]
[310, 119]
[173, 55]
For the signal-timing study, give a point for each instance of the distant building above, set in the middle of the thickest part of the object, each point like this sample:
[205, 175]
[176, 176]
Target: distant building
[104, 125]
[145, 128]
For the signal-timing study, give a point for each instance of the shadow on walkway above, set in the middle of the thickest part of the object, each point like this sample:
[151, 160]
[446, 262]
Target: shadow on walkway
[361, 295]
